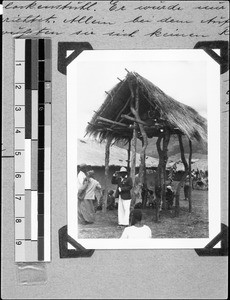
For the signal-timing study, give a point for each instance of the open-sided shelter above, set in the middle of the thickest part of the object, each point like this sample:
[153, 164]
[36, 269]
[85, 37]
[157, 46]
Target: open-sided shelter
[136, 108]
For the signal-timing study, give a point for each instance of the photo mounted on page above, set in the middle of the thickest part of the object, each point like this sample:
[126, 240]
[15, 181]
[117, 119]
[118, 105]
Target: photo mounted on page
[143, 149]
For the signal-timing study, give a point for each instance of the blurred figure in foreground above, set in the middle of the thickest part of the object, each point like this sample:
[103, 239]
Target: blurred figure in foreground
[137, 230]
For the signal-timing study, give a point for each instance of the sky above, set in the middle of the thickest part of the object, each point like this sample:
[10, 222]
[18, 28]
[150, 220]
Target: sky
[182, 74]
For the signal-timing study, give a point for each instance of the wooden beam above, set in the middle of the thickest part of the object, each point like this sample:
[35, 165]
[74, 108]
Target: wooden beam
[139, 121]
[158, 184]
[133, 163]
[177, 196]
[120, 130]
[108, 94]
[146, 126]
[107, 153]
[190, 176]
[166, 140]
[123, 108]
[105, 128]
[128, 151]
[133, 147]
[145, 194]
[93, 125]
[145, 143]
[135, 112]
[111, 122]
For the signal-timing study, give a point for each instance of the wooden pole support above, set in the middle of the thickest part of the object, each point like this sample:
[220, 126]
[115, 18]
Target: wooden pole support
[128, 151]
[177, 196]
[133, 162]
[107, 153]
[190, 176]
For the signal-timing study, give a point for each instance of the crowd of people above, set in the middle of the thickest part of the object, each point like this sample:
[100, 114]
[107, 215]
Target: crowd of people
[91, 198]
[88, 202]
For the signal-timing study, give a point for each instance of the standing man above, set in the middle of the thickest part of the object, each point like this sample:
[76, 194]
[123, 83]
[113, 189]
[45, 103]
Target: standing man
[124, 186]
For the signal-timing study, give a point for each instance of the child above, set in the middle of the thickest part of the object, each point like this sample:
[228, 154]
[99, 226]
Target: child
[111, 200]
[137, 230]
[151, 199]
[169, 197]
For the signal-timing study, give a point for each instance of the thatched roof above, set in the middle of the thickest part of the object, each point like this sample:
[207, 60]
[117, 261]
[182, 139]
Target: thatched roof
[92, 153]
[158, 110]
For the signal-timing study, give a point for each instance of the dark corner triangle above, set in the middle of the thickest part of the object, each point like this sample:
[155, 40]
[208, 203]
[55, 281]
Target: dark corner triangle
[64, 252]
[221, 59]
[222, 237]
[63, 47]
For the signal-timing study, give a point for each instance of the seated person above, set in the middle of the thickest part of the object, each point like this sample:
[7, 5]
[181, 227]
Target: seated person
[138, 205]
[151, 199]
[169, 197]
[111, 200]
[137, 230]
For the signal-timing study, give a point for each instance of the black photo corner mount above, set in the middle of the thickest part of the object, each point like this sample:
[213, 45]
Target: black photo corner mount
[63, 62]
[76, 47]
[223, 61]
[222, 237]
[64, 252]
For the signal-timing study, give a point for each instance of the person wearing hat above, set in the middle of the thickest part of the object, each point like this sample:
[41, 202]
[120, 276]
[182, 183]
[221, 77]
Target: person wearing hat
[137, 230]
[123, 193]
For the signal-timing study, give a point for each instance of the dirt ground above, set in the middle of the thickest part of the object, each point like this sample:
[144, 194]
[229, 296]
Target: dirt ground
[187, 225]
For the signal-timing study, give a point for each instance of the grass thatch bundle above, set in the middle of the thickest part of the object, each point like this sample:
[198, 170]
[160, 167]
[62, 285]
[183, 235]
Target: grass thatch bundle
[156, 109]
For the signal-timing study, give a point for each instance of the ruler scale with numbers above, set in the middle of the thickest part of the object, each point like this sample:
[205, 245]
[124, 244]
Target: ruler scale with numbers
[32, 149]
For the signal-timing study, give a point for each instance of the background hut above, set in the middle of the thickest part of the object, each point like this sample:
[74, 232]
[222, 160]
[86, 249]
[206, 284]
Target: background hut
[92, 153]
[137, 109]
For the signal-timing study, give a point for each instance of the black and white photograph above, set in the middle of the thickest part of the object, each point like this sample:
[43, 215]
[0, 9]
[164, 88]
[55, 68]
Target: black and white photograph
[115, 131]
[143, 149]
